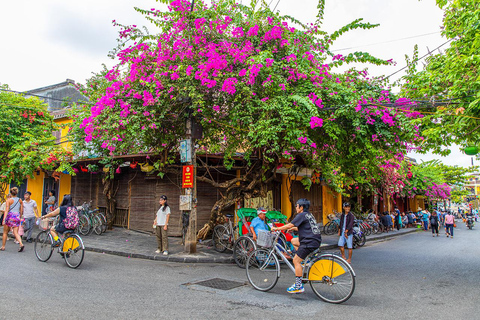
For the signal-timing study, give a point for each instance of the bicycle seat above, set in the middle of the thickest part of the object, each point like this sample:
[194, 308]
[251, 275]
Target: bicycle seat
[229, 215]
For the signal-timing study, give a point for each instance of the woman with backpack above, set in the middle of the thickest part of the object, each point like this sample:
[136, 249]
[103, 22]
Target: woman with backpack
[68, 218]
[11, 218]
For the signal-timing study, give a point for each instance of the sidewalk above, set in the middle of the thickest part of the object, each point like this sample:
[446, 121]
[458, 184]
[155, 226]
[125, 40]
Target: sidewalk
[133, 244]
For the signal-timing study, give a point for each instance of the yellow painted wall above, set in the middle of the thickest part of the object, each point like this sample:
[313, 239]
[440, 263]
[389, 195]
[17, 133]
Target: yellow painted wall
[64, 131]
[332, 200]
[35, 186]
[286, 204]
[65, 186]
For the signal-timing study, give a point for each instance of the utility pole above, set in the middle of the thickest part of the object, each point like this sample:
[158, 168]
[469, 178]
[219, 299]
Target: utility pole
[191, 235]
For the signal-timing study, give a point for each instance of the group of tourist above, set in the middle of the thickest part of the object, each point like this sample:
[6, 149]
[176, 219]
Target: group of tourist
[16, 213]
[389, 221]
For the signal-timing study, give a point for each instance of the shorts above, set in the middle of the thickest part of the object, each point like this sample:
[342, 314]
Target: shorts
[303, 251]
[60, 228]
[12, 220]
[348, 240]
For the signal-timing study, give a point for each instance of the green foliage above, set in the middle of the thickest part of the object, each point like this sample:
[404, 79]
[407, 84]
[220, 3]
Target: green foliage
[26, 140]
[451, 74]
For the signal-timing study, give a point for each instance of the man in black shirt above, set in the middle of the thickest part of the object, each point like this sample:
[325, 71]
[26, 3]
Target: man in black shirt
[309, 239]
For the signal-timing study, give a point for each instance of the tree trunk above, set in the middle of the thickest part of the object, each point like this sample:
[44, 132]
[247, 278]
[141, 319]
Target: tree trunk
[252, 184]
[108, 191]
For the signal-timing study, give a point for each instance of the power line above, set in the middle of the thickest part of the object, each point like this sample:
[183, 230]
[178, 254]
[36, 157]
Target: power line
[421, 57]
[400, 39]
[44, 97]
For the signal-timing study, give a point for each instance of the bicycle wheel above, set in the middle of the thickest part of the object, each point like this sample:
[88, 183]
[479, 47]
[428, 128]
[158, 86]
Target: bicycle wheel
[73, 251]
[43, 246]
[83, 225]
[325, 227]
[220, 238]
[242, 248]
[331, 278]
[97, 225]
[331, 228]
[362, 240]
[103, 221]
[263, 269]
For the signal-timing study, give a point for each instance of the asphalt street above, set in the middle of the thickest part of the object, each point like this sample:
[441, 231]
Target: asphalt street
[409, 277]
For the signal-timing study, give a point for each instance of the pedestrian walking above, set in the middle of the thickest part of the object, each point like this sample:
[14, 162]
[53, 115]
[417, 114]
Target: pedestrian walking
[161, 225]
[345, 231]
[434, 223]
[449, 222]
[12, 217]
[30, 213]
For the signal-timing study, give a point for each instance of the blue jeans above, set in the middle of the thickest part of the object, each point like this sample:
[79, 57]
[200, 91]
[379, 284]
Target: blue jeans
[449, 229]
[425, 225]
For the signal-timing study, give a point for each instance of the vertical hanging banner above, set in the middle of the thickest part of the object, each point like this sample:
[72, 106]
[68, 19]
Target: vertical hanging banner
[187, 178]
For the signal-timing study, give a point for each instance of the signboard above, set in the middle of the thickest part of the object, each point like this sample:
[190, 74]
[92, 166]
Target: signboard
[186, 202]
[185, 150]
[187, 177]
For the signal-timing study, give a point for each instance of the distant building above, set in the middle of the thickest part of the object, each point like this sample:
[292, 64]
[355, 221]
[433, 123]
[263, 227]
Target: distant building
[58, 95]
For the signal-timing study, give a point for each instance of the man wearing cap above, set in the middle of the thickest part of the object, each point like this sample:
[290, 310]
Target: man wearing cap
[30, 212]
[258, 223]
[345, 231]
[309, 239]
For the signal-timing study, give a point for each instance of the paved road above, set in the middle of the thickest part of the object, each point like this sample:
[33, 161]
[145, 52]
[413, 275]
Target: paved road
[410, 277]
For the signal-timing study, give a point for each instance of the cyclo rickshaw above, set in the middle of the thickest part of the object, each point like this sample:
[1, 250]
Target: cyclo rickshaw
[245, 244]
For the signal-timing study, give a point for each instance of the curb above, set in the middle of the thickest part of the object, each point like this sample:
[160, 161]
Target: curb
[216, 259]
[169, 258]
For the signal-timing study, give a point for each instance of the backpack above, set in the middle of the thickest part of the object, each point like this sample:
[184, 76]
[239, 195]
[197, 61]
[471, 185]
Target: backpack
[71, 220]
[432, 221]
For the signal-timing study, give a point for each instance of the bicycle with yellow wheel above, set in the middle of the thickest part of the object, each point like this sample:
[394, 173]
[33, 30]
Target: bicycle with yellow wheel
[332, 278]
[71, 247]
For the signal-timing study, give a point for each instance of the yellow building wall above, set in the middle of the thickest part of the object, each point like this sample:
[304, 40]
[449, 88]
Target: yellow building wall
[332, 200]
[65, 186]
[35, 186]
[64, 133]
[286, 204]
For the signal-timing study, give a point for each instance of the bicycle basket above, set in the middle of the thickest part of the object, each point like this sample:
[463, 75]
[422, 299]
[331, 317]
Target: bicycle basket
[45, 224]
[265, 238]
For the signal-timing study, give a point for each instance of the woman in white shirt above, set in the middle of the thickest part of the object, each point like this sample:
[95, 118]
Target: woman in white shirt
[161, 225]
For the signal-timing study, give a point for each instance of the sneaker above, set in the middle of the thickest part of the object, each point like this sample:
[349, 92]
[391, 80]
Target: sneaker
[15, 241]
[56, 243]
[294, 289]
[165, 253]
[29, 240]
[157, 251]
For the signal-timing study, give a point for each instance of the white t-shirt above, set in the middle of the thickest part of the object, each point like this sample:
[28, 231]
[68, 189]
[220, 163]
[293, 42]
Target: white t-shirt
[162, 216]
[28, 208]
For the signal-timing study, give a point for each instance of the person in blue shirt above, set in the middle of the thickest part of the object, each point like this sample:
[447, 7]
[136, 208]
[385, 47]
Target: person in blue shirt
[425, 219]
[258, 223]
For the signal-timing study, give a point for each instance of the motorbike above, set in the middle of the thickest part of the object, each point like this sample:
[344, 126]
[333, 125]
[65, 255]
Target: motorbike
[470, 222]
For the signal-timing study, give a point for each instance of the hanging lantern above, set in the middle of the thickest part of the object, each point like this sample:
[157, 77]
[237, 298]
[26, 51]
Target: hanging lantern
[471, 151]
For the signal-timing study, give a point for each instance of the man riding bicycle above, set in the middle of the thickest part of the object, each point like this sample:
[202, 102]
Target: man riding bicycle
[309, 239]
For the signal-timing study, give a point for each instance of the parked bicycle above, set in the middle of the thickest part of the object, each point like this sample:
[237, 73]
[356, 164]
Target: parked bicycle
[90, 220]
[332, 226]
[331, 278]
[71, 248]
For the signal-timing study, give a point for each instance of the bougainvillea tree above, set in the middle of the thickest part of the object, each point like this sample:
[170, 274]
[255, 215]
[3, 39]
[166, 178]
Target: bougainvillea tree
[259, 83]
[26, 140]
